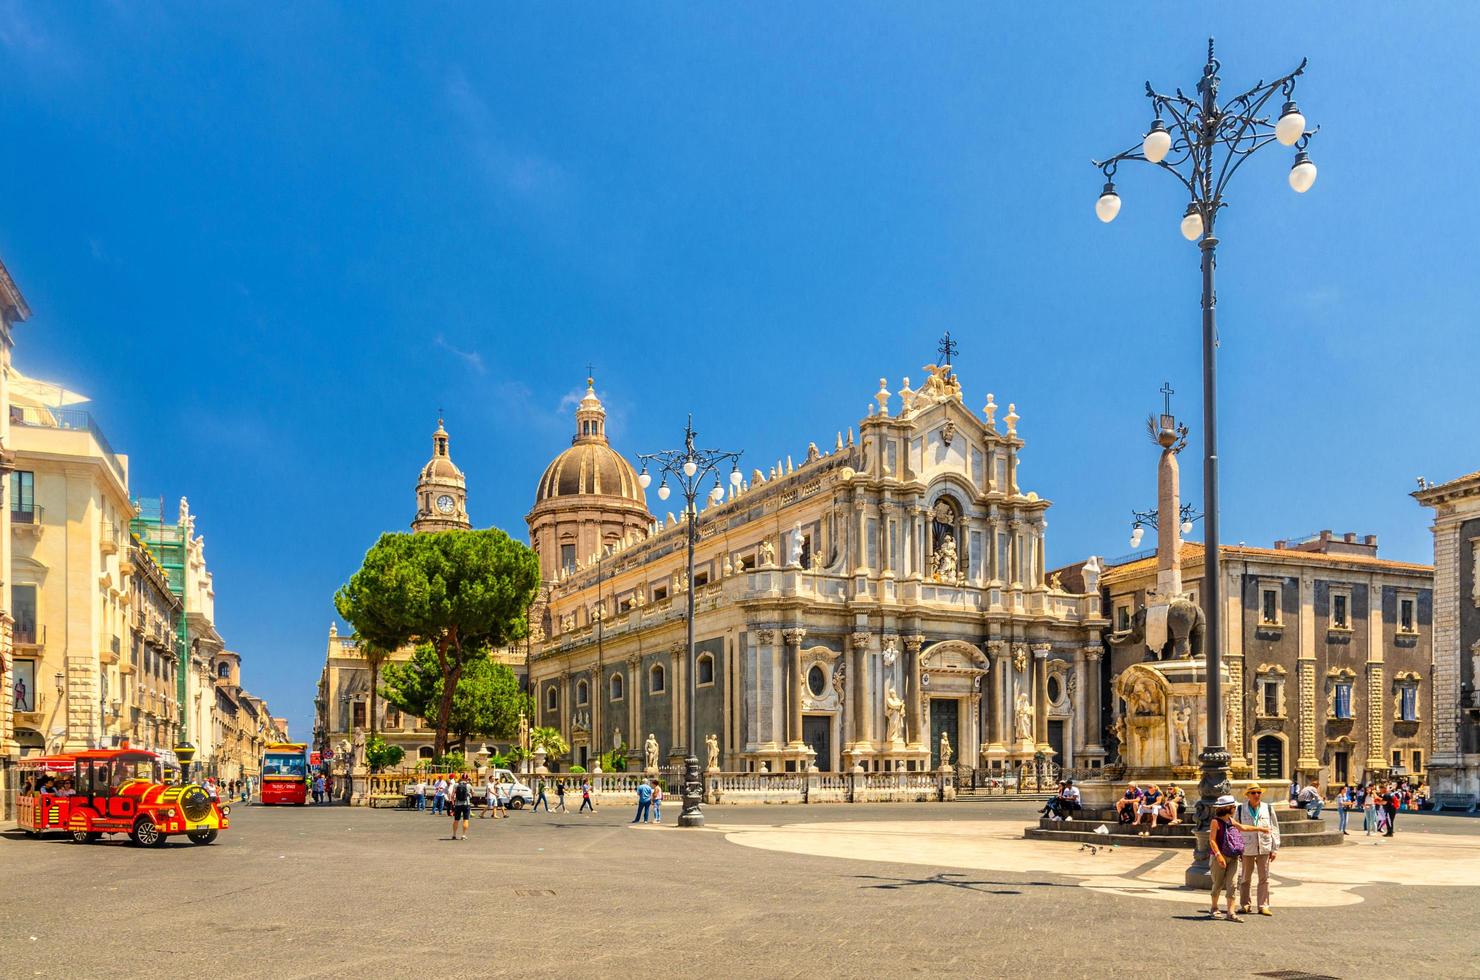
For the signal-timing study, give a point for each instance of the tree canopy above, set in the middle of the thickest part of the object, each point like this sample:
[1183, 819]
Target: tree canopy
[486, 701]
[460, 592]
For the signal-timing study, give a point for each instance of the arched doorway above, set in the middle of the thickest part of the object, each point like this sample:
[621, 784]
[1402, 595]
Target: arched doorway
[1269, 756]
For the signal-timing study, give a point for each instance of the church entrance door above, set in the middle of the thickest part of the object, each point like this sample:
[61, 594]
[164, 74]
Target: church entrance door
[1056, 741]
[817, 733]
[944, 717]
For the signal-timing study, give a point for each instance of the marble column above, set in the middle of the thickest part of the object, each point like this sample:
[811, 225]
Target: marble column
[1001, 663]
[793, 638]
[1092, 710]
[675, 697]
[914, 701]
[1040, 697]
[863, 715]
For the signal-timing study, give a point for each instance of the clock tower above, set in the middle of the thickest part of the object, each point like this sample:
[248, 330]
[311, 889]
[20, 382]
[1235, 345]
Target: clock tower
[441, 492]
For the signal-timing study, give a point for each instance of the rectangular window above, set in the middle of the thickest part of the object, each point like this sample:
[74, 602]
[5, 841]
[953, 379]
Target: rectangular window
[358, 714]
[1340, 617]
[1417, 761]
[1341, 767]
[872, 535]
[23, 601]
[1269, 605]
[1343, 700]
[1397, 759]
[1271, 694]
[568, 557]
[23, 497]
[1003, 549]
[747, 562]
[999, 476]
[1122, 618]
[974, 556]
[1410, 704]
[891, 458]
[701, 579]
[660, 592]
[24, 681]
[1405, 615]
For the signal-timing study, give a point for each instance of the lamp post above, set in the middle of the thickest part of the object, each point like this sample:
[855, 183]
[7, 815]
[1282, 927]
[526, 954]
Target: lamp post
[1203, 144]
[689, 468]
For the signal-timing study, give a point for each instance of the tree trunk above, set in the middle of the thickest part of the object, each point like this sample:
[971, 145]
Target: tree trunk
[450, 676]
[374, 690]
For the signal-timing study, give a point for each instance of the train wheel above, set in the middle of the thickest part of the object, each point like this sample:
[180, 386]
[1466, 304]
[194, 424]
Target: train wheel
[201, 836]
[146, 833]
[86, 836]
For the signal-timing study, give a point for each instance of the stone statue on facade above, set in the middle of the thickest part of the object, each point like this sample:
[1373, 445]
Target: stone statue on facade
[650, 752]
[711, 742]
[729, 566]
[768, 553]
[945, 750]
[794, 557]
[891, 652]
[1023, 713]
[1181, 717]
[894, 712]
[616, 738]
[944, 560]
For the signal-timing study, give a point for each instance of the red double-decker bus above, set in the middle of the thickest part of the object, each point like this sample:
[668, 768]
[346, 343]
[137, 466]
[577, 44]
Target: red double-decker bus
[285, 773]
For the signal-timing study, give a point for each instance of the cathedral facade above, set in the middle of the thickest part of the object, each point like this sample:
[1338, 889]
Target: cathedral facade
[882, 605]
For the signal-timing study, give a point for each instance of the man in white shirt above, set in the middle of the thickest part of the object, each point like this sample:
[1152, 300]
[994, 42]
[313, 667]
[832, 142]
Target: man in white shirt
[1259, 849]
[1310, 798]
[490, 802]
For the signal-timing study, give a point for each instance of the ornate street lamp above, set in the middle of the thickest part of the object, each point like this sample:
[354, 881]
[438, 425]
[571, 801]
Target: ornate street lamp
[1203, 144]
[689, 468]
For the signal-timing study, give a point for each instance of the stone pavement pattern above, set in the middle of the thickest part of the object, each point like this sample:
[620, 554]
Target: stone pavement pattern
[763, 892]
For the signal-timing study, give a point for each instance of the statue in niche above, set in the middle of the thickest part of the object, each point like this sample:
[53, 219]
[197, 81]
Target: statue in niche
[794, 559]
[768, 553]
[944, 565]
[616, 738]
[891, 652]
[1181, 718]
[945, 750]
[894, 711]
[650, 751]
[1024, 717]
[711, 743]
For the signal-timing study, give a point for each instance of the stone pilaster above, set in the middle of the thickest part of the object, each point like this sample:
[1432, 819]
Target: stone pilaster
[1091, 694]
[1234, 735]
[1376, 722]
[1307, 761]
[8, 748]
[863, 707]
[634, 686]
[1447, 652]
[1001, 663]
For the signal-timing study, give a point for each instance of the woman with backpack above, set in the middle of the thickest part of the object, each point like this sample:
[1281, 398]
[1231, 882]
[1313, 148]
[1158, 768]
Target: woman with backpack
[1226, 847]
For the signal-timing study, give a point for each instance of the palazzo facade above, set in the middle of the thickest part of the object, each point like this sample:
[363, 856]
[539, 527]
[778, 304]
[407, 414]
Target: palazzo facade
[870, 606]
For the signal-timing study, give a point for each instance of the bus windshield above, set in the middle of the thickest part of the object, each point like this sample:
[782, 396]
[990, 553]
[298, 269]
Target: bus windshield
[285, 764]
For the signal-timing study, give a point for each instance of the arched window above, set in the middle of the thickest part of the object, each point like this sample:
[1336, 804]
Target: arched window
[582, 693]
[616, 685]
[552, 698]
[223, 670]
[1269, 757]
[425, 752]
[656, 679]
[705, 670]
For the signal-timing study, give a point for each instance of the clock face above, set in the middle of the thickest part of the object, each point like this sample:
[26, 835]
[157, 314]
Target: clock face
[445, 504]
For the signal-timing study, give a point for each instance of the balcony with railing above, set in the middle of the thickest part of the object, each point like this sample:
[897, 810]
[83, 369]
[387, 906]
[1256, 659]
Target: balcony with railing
[27, 522]
[29, 634]
[70, 419]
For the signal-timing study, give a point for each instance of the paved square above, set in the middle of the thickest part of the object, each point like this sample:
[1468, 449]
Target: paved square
[930, 889]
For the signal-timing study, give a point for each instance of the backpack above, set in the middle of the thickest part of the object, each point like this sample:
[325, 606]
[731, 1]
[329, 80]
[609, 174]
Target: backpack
[463, 793]
[1230, 839]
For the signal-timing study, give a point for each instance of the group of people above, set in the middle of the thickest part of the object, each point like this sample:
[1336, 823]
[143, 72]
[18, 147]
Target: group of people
[649, 801]
[1145, 807]
[236, 789]
[320, 789]
[1380, 805]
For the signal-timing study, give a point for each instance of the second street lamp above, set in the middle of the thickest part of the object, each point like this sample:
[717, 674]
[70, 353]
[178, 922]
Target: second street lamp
[1210, 141]
[688, 467]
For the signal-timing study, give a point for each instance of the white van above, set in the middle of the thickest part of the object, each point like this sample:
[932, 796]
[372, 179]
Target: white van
[516, 794]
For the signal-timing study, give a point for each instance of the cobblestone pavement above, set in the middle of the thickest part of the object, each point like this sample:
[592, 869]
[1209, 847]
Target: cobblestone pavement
[929, 889]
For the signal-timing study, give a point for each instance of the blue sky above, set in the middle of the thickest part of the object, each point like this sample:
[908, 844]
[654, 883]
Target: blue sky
[270, 241]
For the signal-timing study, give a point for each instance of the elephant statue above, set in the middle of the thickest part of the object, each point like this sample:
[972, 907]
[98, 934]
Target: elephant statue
[1185, 628]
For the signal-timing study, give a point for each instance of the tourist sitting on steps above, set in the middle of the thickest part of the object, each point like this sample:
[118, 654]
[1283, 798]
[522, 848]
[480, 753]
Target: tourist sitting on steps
[1065, 803]
[1175, 806]
[1310, 799]
[1125, 807]
[1149, 806]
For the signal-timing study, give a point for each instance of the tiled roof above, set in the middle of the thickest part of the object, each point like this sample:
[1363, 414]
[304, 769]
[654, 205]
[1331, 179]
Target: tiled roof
[1192, 553]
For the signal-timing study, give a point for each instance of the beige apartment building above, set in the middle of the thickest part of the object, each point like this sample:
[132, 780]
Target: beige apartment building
[13, 310]
[150, 669]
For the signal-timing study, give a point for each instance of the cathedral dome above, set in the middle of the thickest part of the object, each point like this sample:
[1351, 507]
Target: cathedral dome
[590, 468]
[590, 465]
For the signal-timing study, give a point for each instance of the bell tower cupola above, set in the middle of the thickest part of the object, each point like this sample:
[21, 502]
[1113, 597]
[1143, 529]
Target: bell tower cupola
[441, 492]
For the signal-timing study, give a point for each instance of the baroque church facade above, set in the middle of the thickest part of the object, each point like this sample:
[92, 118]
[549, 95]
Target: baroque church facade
[883, 605]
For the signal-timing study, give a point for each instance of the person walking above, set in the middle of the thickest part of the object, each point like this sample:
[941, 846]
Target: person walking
[644, 801]
[559, 796]
[1259, 849]
[1226, 845]
[540, 798]
[1391, 800]
[490, 797]
[461, 797]
[586, 796]
[1344, 801]
[419, 791]
[1367, 798]
[657, 802]
[439, 796]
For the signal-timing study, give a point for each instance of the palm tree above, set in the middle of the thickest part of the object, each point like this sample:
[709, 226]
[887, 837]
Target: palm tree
[549, 739]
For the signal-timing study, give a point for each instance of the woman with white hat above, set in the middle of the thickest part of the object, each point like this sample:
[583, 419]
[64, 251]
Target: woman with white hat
[1226, 844]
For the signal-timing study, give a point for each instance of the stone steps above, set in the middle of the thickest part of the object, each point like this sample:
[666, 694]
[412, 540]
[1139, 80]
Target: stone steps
[985, 797]
[1296, 832]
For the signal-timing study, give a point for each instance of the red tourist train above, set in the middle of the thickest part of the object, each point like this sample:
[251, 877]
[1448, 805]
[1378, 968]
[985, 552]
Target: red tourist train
[114, 791]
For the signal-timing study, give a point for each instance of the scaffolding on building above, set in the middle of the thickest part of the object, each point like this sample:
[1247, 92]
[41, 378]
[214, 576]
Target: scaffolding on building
[168, 544]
